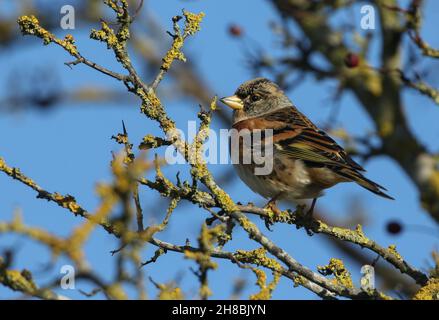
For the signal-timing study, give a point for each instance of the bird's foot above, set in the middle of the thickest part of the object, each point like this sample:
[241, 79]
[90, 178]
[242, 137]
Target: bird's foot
[271, 206]
[304, 219]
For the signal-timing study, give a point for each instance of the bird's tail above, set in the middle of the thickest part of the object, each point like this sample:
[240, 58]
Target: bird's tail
[364, 182]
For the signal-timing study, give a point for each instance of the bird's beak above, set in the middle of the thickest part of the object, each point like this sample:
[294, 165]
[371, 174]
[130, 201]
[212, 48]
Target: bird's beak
[233, 102]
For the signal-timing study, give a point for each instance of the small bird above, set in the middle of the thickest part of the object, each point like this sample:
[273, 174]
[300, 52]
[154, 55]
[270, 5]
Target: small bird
[305, 159]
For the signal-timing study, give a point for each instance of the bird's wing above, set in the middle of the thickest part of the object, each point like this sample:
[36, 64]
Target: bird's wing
[296, 136]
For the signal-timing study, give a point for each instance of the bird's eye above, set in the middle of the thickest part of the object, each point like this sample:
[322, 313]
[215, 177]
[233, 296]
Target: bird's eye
[255, 98]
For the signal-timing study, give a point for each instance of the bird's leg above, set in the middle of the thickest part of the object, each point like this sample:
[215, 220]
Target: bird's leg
[311, 209]
[305, 219]
[271, 205]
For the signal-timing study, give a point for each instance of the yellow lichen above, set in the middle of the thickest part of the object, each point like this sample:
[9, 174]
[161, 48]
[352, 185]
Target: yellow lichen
[29, 25]
[258, 257]
[205, 291]
[56, 244]
[247, 224]
[261, 282]
[116, 291]
[193, 22]
[428, 292]
[22, 281]
[67, 202]
[168, 292]
[81, 233]
[16, 281]
[208, 236]
[151, 142]
[69, 44]
[106, 34]
[152, 107]
[206, 239]
[299, 280]
[224, 200]
[213, 103]
[392, 250]
[124, 34]
[341, 274]
[174, 53]
[201, 258]
[192, 25]
[356, 235]
[153, 99]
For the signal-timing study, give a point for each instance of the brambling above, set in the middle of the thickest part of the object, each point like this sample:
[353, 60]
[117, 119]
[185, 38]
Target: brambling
[306, 160]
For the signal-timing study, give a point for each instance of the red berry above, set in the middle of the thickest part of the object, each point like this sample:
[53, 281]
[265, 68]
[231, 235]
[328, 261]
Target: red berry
[235, 30]
[351, 60]
[394, 227]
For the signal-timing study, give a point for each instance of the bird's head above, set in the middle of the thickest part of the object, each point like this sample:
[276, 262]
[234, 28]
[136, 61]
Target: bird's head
[255, 98]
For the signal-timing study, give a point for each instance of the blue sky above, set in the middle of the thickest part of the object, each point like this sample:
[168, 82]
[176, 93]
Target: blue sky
[68, 150]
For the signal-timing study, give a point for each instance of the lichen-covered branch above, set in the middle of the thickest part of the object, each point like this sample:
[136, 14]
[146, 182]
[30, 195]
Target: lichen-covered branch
[296, 218]
[22, 281]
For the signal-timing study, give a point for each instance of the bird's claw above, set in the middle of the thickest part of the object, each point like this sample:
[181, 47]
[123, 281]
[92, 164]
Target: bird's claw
[271, 205]
[268, 224]
[304, 219]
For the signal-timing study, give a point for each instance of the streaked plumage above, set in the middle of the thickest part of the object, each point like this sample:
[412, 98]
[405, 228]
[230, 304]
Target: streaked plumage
[306, 160]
